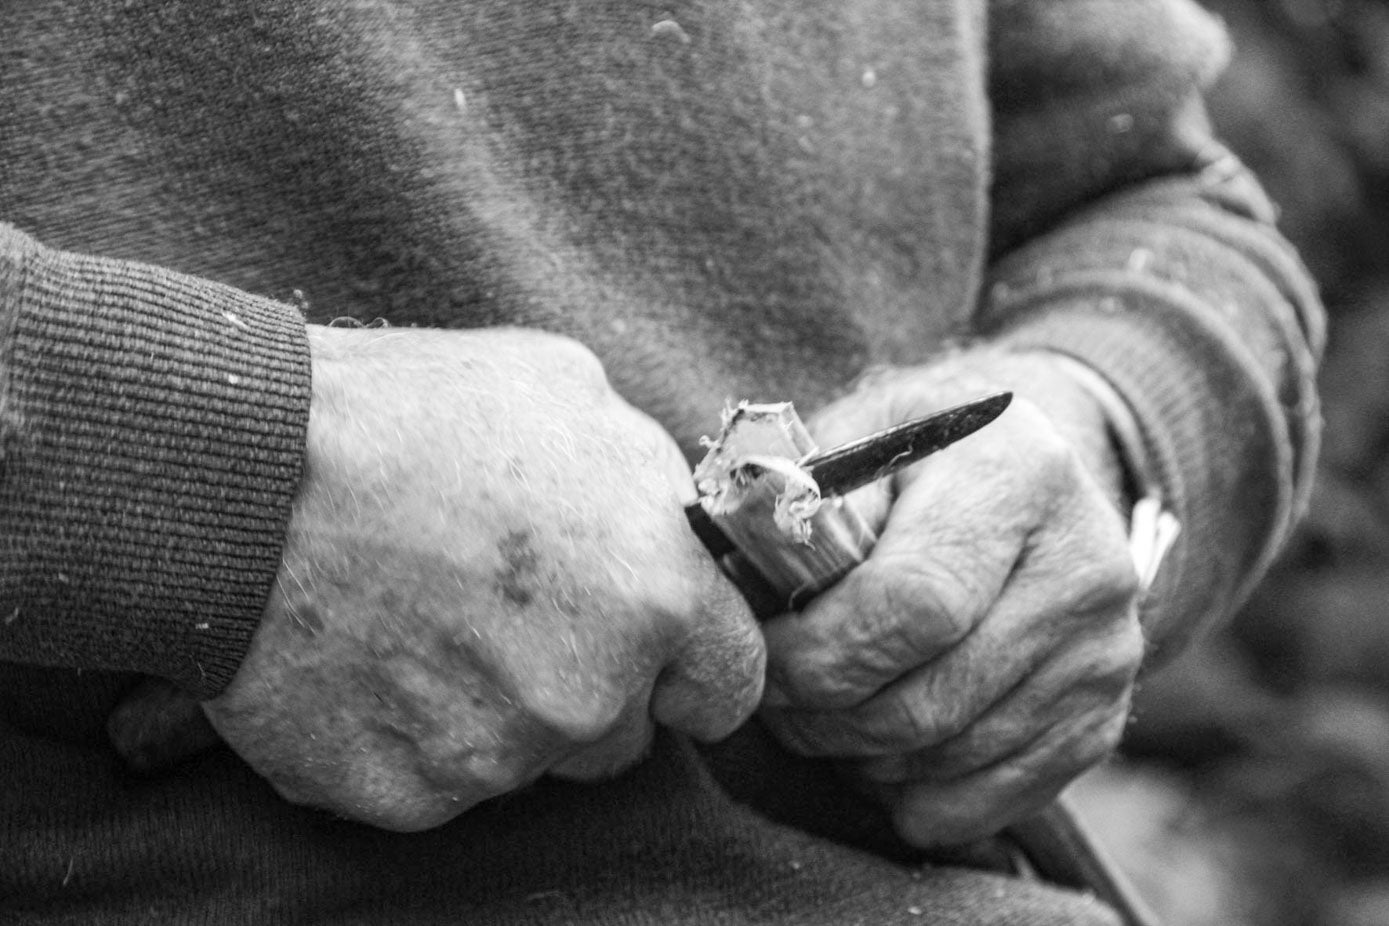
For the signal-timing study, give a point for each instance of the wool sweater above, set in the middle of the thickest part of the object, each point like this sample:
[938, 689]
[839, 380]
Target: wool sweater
[721, 199]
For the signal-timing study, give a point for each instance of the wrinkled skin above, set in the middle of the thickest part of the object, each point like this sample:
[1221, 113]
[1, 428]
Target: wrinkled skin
[985, 653]
[487, 577]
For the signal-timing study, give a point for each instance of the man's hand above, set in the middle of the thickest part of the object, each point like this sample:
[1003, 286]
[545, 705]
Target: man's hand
[488, 576]
[984, 654]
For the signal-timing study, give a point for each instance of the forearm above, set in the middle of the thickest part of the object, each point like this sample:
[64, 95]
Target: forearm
[1206, 327]
[153, 429]
[1152, 259]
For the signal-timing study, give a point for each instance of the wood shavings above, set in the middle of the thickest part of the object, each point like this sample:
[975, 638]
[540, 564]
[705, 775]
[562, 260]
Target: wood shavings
[797, 495]
[752, 486]
[749, 463]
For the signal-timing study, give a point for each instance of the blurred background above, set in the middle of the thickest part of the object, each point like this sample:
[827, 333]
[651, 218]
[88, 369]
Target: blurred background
[1254, 785]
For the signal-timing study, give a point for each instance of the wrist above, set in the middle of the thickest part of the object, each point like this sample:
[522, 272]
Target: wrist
[1125, 440]
[1152, 528]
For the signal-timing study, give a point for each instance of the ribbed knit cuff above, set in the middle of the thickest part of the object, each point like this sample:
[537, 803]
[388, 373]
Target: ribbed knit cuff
[157, 443]
[1217, 446]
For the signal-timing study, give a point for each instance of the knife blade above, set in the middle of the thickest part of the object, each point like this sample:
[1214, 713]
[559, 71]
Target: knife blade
[842, 469]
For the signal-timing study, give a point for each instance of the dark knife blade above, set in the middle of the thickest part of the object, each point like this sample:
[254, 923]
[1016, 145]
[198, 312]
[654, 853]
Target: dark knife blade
[842, 469]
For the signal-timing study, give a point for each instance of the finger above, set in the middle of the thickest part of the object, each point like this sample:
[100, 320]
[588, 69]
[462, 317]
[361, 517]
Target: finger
[933, 813]
[1073, 606]
[928, 705]
[949, 545]
[1070, 686]
[715, 681]
[157, 725]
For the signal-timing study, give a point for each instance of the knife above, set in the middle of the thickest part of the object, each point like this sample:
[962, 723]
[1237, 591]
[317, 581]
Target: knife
[840, 470]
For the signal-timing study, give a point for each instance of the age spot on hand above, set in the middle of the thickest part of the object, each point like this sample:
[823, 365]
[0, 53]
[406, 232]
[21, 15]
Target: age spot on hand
[516, 578]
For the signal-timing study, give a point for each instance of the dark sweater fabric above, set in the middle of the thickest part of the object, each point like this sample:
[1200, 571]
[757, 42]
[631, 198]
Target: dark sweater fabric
[723, 200]
[136, 534]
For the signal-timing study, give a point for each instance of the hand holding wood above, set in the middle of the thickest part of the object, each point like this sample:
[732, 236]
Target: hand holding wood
[488, 577]
[984, 653]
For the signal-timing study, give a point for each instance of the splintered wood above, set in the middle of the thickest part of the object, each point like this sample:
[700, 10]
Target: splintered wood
[752, 487]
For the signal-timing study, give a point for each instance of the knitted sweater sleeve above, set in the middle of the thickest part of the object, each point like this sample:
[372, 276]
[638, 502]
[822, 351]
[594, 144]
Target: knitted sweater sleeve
[151, 439]
[1127, 238]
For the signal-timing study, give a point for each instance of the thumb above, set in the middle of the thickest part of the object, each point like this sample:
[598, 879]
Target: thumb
[715, 681]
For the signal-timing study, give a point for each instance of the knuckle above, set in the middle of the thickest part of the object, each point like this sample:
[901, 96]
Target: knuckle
[1105, 671]
[1055, 462]
[1114, 659]
[460, 764]
[1109, 585]
[924, 604]
[571, 358]
[575, 716]
[466, 770]
[484, 775]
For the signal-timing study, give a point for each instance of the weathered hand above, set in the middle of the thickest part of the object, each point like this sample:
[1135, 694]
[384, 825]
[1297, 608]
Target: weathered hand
[984, 654]
[488, 576]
